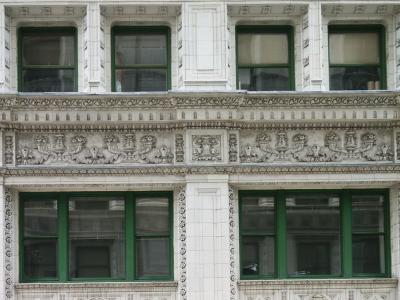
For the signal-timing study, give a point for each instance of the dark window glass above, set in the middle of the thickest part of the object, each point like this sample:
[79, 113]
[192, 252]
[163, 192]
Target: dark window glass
[264, 79]
[313, 234]
[40, 218]
[96, 225]
[152, 257]
[152, 216]
[40, 259]
[258, 214]
[258, 255]
[258, 236]
[355, 58]
[263, 58]
[40, 238]
[368, 234]
[48, 80]
[48, 60]
[96, 236]
[152, 236]
[145, 80]
[140, 59]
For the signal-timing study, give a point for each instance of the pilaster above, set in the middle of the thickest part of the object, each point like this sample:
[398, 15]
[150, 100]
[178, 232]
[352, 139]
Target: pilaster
[397, 50]
[204, 40]
[94, 49]
[208, 245]
[312, 62]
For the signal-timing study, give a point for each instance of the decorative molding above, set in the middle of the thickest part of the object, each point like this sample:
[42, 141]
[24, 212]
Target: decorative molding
[8, 243]
[181, 192]
[351, 146]
[398, 145]
[232, 243]
[179, 148]
[207, 148]
[181, 100]
[214, 169]
[233, 147]
[9, 149]
[200, 124]
[374, 283]
[91, 149]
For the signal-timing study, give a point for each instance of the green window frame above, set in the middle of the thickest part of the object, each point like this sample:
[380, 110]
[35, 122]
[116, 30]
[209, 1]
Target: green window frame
[254, 29]
[43, 32]
[146, 31]
[346, 232]
[368, 28]
[130, 237]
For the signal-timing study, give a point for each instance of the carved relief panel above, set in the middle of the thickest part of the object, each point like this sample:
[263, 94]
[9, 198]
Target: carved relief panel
[94, 148]
[299, 146]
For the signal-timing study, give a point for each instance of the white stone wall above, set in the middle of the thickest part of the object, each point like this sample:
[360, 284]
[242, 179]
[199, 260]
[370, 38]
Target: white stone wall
[202, 37]
[210, 141]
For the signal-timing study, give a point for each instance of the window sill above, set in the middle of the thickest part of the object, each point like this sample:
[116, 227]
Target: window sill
[318, 283]
[132, 286]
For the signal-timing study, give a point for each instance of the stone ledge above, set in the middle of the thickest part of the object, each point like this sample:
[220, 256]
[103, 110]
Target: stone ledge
[234, 99]
[372, 283]
[170, 286]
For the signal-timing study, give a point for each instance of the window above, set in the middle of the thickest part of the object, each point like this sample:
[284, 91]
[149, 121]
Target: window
[357, 57]
[140, 59]
[291, 234]
[96, 236]
[47, 60]
[264, 56]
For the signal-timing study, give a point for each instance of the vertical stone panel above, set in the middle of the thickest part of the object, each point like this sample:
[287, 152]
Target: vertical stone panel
[208, 252]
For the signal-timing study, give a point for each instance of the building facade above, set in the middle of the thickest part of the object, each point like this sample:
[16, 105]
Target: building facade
[192, 150]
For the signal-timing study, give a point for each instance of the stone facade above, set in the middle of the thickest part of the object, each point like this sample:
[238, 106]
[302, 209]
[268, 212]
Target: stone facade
[204, 139]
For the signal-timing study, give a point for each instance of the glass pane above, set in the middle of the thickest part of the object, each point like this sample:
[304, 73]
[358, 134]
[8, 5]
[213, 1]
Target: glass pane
[152, 216]
[141, 80]
[96, 235]
[264, 79]
[354, 78]
[144, 49]
[258, 255]
[258, 213]
[313, 234]
[368, 254]
[48, 80]
[40, 218]
[354, 48]
[262, 48]
[44, 49]
[152, 257]
[40, 258]
[367, 213]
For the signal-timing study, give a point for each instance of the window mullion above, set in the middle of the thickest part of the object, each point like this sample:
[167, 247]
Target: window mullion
[129, 237]
[63, 238]
[346, 230]
[281, 256]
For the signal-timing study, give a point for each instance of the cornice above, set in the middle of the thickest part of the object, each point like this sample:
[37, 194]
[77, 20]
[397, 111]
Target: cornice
[218, 169]
[205, 124]
[179, 100]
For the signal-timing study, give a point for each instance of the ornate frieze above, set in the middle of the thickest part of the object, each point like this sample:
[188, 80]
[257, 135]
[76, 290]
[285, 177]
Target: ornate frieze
[178, 100]
[179, 148]
[233, 147]
[9, 149]
[284, 146]
[206, 148]
[94, 149]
